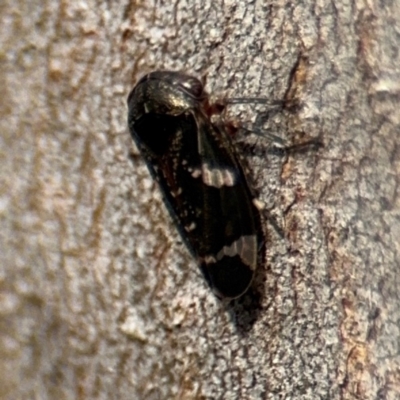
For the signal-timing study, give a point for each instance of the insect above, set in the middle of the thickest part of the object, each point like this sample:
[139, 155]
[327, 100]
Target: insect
[199, 172]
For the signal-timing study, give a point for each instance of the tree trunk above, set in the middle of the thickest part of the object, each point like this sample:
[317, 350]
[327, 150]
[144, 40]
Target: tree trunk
[100, 299]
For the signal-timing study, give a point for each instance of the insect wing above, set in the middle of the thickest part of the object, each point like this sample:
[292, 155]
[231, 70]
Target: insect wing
[207, 193]
[231, 231]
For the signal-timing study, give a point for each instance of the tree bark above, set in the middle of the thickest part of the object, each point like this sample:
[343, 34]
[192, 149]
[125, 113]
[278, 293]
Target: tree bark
[99, 298]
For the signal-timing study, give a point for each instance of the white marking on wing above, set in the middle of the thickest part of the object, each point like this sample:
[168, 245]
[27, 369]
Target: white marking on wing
[245, 247]
[196, 173]
[191, 227]
[218, 177]
[260, 205]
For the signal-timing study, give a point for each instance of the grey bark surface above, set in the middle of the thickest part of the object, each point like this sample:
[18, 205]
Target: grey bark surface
[99, 298]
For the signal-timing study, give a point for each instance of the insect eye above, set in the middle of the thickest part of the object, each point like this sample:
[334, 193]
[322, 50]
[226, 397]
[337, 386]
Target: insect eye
[192, 86]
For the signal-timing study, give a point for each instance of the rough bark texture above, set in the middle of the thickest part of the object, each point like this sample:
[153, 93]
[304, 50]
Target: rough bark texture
[99, 299]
